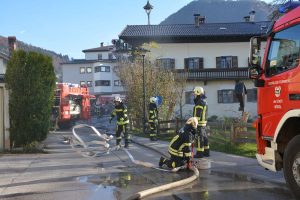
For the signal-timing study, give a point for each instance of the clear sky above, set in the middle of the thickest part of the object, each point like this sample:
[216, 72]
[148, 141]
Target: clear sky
[69, 26]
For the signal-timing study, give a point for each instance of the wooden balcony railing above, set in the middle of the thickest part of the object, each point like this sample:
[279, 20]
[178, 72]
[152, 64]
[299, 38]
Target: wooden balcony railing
[214, 74]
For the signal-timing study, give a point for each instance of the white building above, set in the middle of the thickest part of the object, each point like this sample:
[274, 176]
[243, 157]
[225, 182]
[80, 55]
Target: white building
[97, 71]
[4, 101]
[213, 56]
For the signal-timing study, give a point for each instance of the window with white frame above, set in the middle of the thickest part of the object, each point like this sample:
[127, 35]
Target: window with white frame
[110, 56]
[82, 70]
[225, 62]
[88, 70]
[89, 83]
[194, 63]
[117, 83]
[102, 83]
[100, 56]
[102, 69]
[82, 83]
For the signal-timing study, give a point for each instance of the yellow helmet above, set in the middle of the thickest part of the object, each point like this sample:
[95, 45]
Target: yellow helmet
[193, 121]
[152, 100]
[199, 90]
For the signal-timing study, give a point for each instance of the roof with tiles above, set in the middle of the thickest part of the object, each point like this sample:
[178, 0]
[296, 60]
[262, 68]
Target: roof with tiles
[191, 31]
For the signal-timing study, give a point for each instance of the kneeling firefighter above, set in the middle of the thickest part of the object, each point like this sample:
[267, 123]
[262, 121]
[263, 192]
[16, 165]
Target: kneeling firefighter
[200, 112]
[180, 146]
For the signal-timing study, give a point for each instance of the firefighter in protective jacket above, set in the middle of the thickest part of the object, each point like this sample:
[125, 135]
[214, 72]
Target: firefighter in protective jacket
[180, 146]
[153, 119]
[200, 112]
[122, 121]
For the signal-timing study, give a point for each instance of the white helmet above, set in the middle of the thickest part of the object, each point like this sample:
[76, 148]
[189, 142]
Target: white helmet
[199, 90]
[117, 98]
[193, 121]
[152, 100]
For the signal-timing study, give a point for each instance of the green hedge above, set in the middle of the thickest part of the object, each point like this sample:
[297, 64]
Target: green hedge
[31, 80]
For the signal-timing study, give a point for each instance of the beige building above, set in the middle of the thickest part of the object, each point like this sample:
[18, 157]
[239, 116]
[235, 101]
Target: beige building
[4, 114]
[211, 55]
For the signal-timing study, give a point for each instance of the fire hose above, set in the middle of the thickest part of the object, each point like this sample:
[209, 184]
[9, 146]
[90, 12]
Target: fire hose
[151, 191]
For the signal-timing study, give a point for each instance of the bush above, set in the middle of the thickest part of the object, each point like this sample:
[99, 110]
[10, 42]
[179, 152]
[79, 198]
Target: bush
[31, 79]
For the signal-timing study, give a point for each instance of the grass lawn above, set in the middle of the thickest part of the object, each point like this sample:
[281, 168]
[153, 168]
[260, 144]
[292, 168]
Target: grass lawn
[218, 141]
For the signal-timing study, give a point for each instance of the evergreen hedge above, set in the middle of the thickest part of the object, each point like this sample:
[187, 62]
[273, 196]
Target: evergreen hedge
[31, 80]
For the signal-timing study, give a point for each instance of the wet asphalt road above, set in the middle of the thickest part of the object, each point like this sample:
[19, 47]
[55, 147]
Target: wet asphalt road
[71, 172]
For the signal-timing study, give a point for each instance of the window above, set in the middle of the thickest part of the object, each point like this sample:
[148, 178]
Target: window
[102, 83]
[110, 56]
[284, 51]
[166, 63]
[82, 70]
[225, 62]
[252, 95]
[99, 56]
[89, 70]
[117, 83]
[82, 83]
[102, 69]
[193, 63]
[89, 83]
[226, 96]
[189, 97]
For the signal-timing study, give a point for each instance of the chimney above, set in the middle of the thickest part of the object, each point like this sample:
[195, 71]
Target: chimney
[199, 19]
[101, 44]
[12, 45]
[252, 16]
[247, 18]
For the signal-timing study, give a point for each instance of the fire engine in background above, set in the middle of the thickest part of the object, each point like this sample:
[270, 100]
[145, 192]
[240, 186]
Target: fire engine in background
[72, 102]
[277, 78]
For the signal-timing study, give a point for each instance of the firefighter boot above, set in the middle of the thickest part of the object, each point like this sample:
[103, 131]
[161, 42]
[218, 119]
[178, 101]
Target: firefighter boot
[206, 153]
[199, 154]
[162, 161]
[126, 144]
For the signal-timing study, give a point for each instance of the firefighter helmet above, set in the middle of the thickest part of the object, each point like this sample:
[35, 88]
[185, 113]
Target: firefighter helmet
[117, 98]
[193, 121]
[152, 100]
[199, 90]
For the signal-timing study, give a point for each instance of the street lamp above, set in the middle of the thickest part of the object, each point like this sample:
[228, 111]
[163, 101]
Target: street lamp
[143, 53]
[148, 7]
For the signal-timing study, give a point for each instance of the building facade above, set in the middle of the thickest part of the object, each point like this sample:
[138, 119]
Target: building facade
[214, 56]
[4, 103]
[96, 71]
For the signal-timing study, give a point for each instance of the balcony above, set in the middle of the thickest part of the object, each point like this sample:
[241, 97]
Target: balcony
[214, 74]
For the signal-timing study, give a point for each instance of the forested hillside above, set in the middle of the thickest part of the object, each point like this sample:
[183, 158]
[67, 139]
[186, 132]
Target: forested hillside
[220, 11]
[56, 58]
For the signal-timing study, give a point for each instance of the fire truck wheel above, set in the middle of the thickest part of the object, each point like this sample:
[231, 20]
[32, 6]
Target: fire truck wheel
[291, 166]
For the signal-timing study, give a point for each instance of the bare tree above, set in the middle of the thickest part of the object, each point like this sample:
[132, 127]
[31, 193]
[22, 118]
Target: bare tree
[157, 81]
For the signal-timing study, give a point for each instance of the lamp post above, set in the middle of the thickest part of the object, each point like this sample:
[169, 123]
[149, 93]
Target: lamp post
[144, 96]
[148, 7]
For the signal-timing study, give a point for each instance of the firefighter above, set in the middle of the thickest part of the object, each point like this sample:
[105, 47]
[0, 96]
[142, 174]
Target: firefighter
[153, 119]
[200, 112]
[120, 111]
[180, 146]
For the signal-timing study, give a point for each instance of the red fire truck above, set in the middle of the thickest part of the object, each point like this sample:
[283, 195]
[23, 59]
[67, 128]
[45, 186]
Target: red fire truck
[72, 102]
[276, 74]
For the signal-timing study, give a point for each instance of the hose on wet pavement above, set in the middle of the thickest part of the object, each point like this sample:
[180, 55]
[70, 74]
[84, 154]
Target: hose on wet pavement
[151, 191]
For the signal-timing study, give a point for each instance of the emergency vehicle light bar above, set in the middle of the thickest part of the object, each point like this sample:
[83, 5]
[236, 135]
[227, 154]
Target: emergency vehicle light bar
[284, 8]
